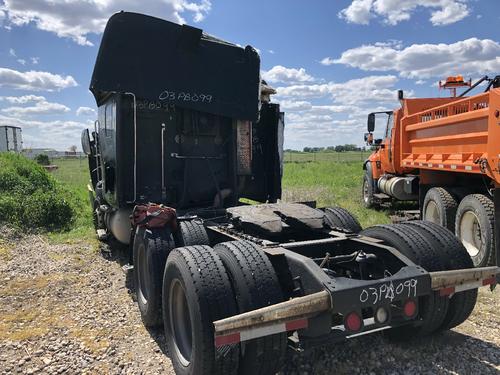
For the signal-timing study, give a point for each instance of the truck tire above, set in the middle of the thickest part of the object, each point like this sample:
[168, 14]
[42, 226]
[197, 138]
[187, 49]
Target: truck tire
[411, 242]
[338, 217]
[475, 227]
[150, 251]
[454, 255]
[197, 292]
[255, 285]
[190, 233]
[367, 192]
[440, 207]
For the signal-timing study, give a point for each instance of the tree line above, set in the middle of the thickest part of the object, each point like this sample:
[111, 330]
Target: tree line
[338, 148]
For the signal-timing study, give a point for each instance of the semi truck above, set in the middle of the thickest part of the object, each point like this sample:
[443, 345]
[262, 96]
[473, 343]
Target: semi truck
[186, 135]
[443, 153]
[11, 139]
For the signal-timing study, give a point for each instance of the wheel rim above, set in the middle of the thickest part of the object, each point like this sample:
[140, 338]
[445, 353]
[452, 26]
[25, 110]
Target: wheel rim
[470, 233]
[366, 194]
[432, 213]
[142, 268]
[180, 322]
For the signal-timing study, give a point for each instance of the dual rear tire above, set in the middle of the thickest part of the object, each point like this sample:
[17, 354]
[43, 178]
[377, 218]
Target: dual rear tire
[472, 220]
[435, 249]
[203, 284]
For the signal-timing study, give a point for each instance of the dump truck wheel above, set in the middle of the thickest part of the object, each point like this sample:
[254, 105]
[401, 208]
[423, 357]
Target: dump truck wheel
[454, 255]
[338, 217]
[367, 192]
[411, 243]
[255, 285]
[475, 227]
[440, 207]
[190, 233]
[150, 251]
[197, 292]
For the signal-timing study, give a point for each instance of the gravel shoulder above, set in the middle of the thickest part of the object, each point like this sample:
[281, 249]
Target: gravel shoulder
[69, 308]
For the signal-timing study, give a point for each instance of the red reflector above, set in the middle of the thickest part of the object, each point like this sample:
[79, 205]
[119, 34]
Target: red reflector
[227, 339]
[353, 322]
[296, 324]
[489, 281]
[446, 291]
[410, 308]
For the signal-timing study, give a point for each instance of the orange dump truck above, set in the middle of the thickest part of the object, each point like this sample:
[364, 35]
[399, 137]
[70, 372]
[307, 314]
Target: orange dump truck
[445, 154]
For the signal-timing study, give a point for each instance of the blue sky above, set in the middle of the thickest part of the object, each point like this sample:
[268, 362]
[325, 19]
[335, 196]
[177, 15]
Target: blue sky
[331, 61]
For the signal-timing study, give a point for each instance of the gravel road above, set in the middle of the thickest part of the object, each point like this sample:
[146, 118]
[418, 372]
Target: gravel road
[70, 309]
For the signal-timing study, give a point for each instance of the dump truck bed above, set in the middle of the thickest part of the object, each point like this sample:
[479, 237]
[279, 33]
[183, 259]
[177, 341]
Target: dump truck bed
[460, 136]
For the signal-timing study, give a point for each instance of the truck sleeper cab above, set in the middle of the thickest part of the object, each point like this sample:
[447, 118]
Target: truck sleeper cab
[235, 284]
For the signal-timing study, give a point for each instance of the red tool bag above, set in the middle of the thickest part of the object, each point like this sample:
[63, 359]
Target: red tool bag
[154, 216]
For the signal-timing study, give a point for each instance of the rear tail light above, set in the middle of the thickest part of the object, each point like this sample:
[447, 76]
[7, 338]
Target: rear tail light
[353, 322]
[410, 308]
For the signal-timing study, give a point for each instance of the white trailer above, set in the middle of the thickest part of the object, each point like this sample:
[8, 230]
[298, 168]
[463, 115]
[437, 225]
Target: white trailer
[11, 139]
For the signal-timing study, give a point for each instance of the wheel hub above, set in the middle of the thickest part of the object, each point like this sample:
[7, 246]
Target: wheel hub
[180, 322]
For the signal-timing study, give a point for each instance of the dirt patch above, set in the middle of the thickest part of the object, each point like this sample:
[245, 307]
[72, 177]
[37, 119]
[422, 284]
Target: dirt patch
[69, 309]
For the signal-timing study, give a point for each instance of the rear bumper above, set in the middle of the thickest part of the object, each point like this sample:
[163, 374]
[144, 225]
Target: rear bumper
[346, 296]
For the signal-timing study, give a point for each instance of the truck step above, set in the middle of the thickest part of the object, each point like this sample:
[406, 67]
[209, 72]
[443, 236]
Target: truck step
[382, 196]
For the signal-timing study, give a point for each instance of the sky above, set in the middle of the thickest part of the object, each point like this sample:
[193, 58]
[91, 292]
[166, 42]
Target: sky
[331, 62]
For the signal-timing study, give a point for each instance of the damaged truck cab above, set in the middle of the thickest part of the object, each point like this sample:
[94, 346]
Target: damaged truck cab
[179, 122]
[186, 136]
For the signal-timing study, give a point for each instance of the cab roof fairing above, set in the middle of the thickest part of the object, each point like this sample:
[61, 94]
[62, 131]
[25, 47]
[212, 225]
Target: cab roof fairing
[158, 60]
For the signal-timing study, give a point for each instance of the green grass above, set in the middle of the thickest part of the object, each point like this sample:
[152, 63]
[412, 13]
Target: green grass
[330, 184]
[74, 175]
[349, 156]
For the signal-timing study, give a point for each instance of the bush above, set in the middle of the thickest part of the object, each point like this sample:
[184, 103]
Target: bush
[42, 159]
[30, 197]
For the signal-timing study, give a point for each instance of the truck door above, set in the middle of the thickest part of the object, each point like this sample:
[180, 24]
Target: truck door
[387, 145]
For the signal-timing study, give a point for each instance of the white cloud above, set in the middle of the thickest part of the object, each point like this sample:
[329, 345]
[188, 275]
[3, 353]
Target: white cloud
[368, 89]
[470, 56]
[279, 73]
[21, 61]
[358, 12]
[85, 111]
[22, 99]
[34, 80]
[327, 61]
[54, 134]
[12, 52]
[311, 122]
[443, 12]
[40, 108]
[271, 51]
[35, 60]
[77, 19]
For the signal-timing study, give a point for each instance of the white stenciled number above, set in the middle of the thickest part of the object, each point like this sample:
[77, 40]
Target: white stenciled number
[363, 297]
[387, 292]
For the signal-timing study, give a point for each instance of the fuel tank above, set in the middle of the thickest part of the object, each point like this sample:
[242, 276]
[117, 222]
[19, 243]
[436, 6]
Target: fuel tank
[401, 188]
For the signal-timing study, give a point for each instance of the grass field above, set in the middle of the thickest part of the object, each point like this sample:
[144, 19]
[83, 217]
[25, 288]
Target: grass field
[349, 156]
[74, 174]
[329, 182]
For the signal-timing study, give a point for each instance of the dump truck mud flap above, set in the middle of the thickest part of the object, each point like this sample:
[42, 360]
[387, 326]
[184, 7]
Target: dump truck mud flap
[295, 314]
